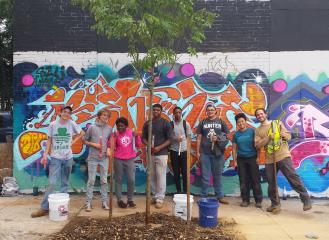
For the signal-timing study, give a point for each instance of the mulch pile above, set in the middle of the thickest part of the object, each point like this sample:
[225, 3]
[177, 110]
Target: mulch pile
[133, 227]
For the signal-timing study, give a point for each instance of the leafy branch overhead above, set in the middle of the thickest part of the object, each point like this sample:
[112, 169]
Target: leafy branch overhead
[157, 28]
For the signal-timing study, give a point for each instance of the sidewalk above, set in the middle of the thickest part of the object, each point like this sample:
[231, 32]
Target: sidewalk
[253, 223]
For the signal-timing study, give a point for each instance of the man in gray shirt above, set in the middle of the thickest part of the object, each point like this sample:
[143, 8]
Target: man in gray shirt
[178, 147]
[96, 138]
[59, 146]
[161, 136]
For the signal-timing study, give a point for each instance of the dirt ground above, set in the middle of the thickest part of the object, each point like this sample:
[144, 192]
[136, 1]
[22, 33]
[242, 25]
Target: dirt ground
[253, 223]
[133, 226]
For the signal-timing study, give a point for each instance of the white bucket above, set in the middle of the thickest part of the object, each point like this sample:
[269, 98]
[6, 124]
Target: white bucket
[179, 207]
[58, 206]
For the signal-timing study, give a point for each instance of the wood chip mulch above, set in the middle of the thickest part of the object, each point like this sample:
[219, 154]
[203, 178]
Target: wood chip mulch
[133, 227]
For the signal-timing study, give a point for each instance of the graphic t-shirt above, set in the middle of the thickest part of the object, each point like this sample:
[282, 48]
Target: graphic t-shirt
[245, 143]
[207, 128]
[61, 135]
[124, 148]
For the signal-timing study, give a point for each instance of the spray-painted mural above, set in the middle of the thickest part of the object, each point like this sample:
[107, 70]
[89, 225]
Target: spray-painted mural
[40, 91]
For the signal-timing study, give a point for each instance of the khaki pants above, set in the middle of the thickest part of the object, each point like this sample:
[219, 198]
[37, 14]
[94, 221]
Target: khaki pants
[159, 176]
[285, 166]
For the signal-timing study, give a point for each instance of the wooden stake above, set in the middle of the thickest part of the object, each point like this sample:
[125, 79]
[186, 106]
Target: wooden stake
[188, 161]
[111, 176]
[274, 167]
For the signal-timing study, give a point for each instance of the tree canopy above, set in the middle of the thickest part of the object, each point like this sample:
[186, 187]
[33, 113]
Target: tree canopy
[6, 55]
[156, 28]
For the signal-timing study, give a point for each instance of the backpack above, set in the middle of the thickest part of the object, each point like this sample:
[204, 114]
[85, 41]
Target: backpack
[9, 187]
[184, 126]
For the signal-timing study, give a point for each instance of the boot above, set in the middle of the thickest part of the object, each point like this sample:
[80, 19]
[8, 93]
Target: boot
[39, 213]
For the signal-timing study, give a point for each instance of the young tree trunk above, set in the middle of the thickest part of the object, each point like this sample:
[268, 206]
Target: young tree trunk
[149, 158]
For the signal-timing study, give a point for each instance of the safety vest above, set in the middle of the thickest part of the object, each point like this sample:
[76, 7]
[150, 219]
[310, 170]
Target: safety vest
[275, 143]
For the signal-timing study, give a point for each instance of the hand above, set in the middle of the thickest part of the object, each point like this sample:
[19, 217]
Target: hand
[271, 136]
[198, 156]
[179, 139]
[213, 138]
[139, 152]
[155, 150]
[97, 146]
[44, 160]
[235, 163]
[108, 153]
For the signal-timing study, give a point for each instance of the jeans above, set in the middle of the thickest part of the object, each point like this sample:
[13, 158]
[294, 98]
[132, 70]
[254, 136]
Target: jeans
[285, 166]
[124, 168]
[214, 164]
[158, 178]
[57, 169]
[92, 170]
[179, 167]
[248, 171]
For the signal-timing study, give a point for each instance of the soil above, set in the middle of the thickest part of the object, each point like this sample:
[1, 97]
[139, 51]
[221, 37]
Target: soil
[133, 227]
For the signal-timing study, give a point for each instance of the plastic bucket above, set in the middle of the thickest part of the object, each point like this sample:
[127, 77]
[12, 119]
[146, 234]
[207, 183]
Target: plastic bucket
[208, 211]
[180, 205]
[58, 206]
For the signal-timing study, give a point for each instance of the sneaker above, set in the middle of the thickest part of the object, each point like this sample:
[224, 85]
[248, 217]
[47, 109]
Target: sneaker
[223, 200]
[39, 213]
[105, 206]
[159, 205]
[307, 205]
[275, 209]
[244, 204]
[258, 205]
[131, 204]
[88, 207]
[121, 204]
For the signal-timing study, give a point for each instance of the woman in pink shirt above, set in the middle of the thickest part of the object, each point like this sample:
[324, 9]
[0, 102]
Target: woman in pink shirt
[125, 152]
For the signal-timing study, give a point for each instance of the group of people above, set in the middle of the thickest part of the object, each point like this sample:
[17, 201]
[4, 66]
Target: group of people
[171, 137]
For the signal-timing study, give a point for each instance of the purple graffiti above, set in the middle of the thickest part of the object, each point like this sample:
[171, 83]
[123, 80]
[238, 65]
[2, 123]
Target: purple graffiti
[325, 89]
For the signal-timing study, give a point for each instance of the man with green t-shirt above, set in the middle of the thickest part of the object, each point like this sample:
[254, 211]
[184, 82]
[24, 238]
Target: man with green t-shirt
[59, 147]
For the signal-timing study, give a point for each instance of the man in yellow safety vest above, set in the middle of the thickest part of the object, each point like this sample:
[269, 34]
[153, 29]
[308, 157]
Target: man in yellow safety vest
[274, 136]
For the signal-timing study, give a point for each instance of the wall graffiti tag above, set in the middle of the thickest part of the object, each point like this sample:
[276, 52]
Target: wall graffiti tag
[41, 92]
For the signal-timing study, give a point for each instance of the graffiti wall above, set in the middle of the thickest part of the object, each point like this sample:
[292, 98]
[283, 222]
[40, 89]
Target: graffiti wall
[234, 83]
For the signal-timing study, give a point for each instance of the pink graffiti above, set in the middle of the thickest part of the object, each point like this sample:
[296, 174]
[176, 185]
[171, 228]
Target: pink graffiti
[307, 149]
[187, 70]
[279, 85]
[311, 120]
[27, 80]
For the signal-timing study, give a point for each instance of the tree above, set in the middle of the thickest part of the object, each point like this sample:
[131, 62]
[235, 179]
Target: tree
[6, 55]
[155, 31]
